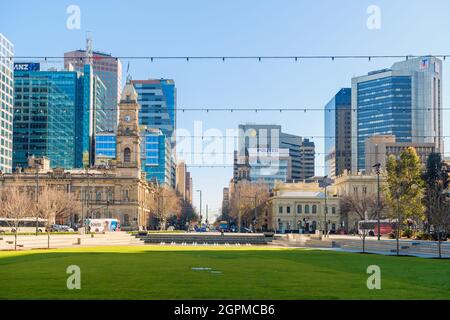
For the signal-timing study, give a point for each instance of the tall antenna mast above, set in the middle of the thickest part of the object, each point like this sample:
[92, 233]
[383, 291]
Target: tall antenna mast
[89, 50]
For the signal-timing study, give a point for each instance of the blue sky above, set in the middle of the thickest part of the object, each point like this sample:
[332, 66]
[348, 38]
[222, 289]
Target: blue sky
[257, 27]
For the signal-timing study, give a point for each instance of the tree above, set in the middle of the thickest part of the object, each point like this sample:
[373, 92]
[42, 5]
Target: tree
[248, 202]
[404, 189]
[436, 197]
[361, 208]
[54, 205]
[165, 203]
[15, 205]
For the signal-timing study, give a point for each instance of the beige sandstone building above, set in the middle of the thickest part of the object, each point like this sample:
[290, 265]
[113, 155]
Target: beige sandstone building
[120, 191]
[300, 207]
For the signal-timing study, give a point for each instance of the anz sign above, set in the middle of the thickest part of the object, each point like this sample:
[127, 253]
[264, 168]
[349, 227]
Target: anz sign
[26, 66]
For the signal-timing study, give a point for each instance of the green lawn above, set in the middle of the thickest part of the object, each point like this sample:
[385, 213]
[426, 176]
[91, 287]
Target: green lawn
[154, 272]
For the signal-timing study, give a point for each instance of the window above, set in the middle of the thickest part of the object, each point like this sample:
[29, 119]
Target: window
[126, 155]
[314, 209]
[365, 190]
[333, 210]
[288, 209]
[307, 208]
[299, 208]
[126, 220]
[280, 209]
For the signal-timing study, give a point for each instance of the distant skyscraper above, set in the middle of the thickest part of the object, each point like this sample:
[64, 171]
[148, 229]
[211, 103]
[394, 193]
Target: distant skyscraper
[183, 181]
[109, 70]
[302, 153]
[6, 104]
[269, 155]
[404, 101]
[338, 133]
[55, 115]
[158, 105]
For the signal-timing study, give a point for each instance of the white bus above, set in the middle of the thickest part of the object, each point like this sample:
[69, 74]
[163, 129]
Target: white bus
[24, 225]
[102, 225]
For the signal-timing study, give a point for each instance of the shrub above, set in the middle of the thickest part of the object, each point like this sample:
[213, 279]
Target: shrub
[423, 236]
[407, 233]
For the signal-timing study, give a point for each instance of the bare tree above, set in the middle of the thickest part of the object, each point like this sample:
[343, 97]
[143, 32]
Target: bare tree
[165, 203]
[55, 204]
[15, 205]
[360, 208]
[249, 202]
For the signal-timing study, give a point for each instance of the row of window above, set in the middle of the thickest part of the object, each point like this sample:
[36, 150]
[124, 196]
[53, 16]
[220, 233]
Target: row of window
[303, 209]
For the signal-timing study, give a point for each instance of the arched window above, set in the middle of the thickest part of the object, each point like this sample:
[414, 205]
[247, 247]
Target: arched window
[307, 208]
[126, 155]
[314, 208]
[299, 208]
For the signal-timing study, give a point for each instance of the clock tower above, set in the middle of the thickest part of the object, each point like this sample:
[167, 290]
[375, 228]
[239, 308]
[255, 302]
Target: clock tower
[128, 147]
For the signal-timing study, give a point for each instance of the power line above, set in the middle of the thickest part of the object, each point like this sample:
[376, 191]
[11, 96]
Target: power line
[224, 58]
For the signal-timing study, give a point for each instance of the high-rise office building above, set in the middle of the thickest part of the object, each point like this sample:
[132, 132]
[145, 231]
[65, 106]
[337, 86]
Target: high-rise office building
[55, 115]
[302, 154]
[404, 101]
[158, 105]
[158, 100]
[184, 181]
[6, 104]
[269, 155]
[156, 156]
[109, 70]
[105, 147]
[338, 133]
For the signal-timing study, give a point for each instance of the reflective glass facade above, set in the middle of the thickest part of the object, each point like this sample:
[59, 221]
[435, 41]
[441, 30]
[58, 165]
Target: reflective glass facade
[105, 145]
[109, 71]
[55, 115]
[384, 107]
[338, 133]
[156, 156]
[157, 99]
[6, 104]
[46, 104]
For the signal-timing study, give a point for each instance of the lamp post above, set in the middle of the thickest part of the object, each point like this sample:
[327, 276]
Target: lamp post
[200, 191]
[377, 167]
[325, 185]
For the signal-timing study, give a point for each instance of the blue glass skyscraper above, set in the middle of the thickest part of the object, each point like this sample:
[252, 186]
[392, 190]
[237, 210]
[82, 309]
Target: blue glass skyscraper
[55, 116]
[156, 156]
[404, 101]
[338, 133]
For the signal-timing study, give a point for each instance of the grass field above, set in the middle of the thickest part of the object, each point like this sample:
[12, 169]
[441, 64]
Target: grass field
[154, 272]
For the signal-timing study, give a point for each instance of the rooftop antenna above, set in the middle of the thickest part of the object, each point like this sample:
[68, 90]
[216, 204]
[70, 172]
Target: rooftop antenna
[128, 73]
[89, 50]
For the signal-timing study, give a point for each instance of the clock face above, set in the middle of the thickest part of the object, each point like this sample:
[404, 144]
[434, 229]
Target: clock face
[127, 118]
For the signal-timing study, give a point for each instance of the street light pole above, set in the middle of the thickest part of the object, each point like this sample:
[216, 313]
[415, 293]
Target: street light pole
[326, 208]
[377, 168]
[200, 191]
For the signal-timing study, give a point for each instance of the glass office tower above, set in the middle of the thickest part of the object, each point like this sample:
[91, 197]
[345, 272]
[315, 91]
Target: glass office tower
[156, 156]
[158, 105]
[46, 105]
[404, 101]
[56, 114]
[105, 147]
[338, 133]
[109, 70]
[6, 104]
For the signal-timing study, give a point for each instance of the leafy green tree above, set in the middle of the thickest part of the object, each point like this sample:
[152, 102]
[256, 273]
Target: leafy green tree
[405, 188]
